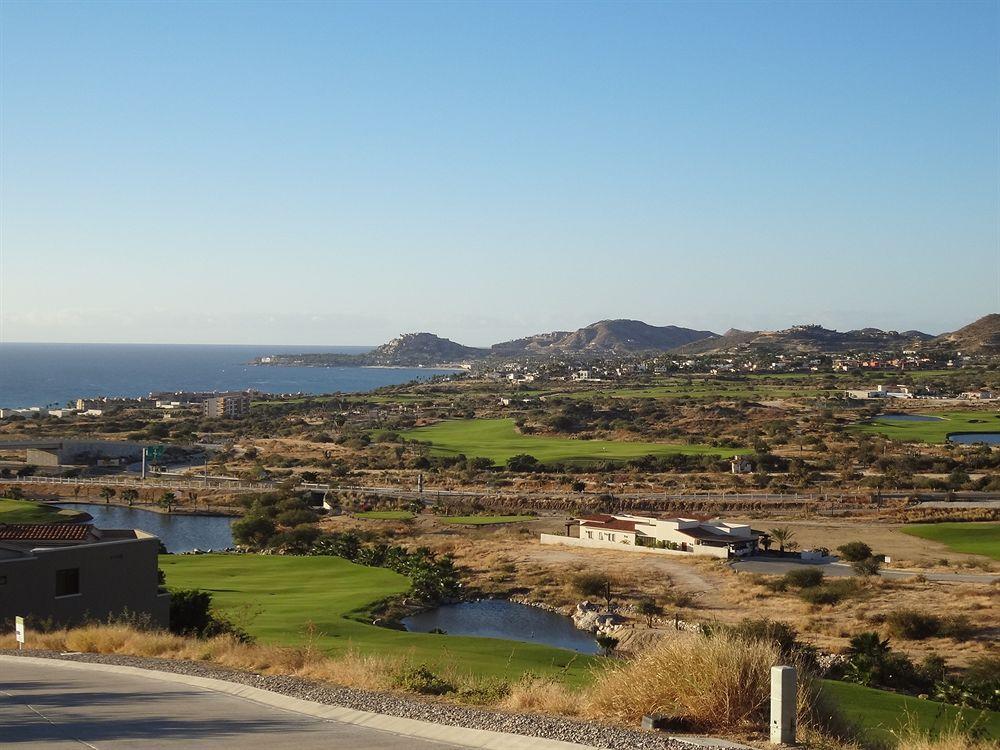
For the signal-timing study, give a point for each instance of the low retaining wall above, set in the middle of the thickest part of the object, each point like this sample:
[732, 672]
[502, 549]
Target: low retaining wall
[572, 541]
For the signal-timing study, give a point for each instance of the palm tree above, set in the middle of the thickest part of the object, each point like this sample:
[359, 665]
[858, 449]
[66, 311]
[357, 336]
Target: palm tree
[870, 645]
[130, 496]
[782, 535]
[107, 493]
[167, 500]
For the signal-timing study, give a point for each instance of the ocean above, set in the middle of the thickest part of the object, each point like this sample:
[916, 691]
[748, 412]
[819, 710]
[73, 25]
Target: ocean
[53, 374]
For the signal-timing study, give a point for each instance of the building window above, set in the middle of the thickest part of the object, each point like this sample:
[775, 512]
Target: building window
[590, 535]
[67, 582]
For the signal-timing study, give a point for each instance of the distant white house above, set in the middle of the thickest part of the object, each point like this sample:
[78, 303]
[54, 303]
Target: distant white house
[884, 391]
[665, 535]
[740, 465]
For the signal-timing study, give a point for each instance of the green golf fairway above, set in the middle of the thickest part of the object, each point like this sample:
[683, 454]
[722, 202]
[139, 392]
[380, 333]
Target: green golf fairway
[484, 520]
[972, 538]
[498, 440]
[282, 595]
[882, 713]
[936, 431]
[25, 511]
[385, 515]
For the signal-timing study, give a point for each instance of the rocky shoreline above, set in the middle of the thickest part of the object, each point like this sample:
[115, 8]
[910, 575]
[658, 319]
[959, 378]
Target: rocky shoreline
[602, 736]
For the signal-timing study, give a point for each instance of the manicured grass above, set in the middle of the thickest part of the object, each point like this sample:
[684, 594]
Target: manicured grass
[484, 520]
[284, 594]
[25, 511]
[498, 440]
[936, 431]
[882, 712]
[713, 390]
[386, 515]
[972, 538]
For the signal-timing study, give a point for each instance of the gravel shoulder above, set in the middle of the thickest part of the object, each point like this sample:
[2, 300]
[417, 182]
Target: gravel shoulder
[439, 712]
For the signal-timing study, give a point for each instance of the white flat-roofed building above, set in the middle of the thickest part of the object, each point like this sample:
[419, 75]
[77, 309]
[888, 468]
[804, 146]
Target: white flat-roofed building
[678, 535]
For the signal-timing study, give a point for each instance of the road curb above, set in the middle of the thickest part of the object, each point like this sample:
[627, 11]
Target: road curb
[472, 738]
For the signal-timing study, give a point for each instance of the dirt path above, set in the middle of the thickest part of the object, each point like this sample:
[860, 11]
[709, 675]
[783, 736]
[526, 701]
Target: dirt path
[688, 577]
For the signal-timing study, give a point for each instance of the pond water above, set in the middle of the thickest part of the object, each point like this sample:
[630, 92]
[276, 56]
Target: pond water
[497, 618]
[179, 533]
[970, 438]
[908, 418]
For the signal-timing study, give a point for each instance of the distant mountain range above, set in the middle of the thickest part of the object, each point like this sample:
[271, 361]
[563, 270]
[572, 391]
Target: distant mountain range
[982, 336]
[608, 337]
[809, 338]
[603, 337]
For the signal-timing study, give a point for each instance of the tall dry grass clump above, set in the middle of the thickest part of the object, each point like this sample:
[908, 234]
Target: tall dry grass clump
[952, 739]
[541, 695]
[717, 682]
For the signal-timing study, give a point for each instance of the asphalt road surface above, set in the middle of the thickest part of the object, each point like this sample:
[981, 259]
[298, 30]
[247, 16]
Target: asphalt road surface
[53, 707]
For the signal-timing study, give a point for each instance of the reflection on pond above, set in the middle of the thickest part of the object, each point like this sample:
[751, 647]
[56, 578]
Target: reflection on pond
[178, 532]
[496, 618]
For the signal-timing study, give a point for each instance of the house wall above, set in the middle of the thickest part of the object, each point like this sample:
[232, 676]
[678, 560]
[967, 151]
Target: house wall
[572, 541]
[114, 576]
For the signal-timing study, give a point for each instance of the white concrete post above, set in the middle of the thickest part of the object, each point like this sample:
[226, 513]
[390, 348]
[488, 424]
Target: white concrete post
[783, 705]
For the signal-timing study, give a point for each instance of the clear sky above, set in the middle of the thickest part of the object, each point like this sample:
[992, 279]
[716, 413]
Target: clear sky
[338, 173]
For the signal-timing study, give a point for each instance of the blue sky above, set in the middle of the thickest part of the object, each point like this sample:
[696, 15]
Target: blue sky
[338, 173]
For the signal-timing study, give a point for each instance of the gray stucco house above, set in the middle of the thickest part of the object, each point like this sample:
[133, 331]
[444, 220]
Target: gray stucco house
[65, 574]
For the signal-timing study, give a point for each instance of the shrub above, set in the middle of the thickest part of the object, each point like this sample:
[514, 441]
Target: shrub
[488, 692]
[421, 679]
[608, 643]
[593, 585]
[253, 531]
[831, 592]
[913, 625]
[804, 578]
[855, 551]
[296, 517]
[957, 627]
[648, 608]
[190, 611]
[191, 615]
[870, 566]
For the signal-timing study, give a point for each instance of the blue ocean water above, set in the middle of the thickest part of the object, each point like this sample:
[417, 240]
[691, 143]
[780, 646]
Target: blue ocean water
[52, 374]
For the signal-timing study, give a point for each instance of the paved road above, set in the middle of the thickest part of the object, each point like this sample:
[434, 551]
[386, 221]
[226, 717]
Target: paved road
[780, 567]
[55, 707]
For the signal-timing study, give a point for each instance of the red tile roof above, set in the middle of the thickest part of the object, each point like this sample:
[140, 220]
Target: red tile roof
[45, 532]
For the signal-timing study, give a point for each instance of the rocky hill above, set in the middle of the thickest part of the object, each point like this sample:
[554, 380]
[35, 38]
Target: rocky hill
[421, 349]
[406, 350]
[982, 336]
[603, 337]
[808, 338]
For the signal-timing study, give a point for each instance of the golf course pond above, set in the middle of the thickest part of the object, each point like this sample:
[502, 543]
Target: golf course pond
[498, 618]
[908, 418]
[178, 532]
[971, 438]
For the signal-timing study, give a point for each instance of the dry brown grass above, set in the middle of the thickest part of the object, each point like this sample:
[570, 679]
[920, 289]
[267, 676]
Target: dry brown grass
[952, 739]
[714, 682]
[351, 669]
[541, 695]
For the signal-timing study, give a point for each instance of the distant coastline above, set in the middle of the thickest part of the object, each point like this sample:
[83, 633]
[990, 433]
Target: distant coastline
[50, 375]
